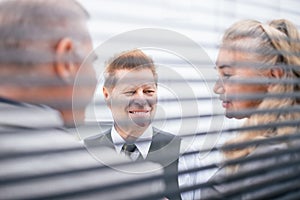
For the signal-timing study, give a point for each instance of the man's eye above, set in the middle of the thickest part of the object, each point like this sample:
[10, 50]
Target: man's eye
[129, 92]
[150, 91]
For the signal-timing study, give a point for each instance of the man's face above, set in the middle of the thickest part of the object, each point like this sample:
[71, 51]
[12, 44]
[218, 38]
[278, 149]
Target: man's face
[85, 84]
[132, 100]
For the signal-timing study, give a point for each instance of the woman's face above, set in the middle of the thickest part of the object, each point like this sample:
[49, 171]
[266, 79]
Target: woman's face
[233, 66]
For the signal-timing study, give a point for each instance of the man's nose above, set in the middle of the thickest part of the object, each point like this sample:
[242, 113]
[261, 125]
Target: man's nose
[140, 94]
[219, 87]
[140, 97]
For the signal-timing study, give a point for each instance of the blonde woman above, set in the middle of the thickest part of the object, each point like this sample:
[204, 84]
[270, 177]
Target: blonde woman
[260, 61]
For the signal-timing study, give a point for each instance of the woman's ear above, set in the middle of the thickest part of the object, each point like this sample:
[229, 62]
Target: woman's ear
[276, 72]
[64, 65]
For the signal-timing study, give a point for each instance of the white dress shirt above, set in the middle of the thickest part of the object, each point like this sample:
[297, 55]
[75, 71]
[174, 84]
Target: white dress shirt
[189, 179]
[143, 143]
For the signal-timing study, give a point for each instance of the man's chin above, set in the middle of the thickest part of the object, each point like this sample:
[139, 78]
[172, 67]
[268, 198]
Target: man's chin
[142, 123]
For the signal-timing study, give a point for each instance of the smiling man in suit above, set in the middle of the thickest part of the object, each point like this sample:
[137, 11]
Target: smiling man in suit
[130, 91]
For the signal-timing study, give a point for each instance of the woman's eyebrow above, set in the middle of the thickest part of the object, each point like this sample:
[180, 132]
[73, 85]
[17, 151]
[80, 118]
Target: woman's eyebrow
[222, 66]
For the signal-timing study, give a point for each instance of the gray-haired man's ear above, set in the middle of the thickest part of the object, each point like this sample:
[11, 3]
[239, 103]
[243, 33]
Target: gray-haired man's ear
[65, 67]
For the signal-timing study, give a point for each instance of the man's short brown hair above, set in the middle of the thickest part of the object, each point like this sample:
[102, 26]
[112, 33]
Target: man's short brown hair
[129, 60]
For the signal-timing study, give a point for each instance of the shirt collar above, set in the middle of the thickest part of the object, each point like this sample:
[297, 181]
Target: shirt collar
[143, 143]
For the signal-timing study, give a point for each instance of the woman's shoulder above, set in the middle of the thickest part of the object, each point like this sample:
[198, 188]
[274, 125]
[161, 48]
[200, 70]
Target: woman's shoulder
[269, 147]
[266, 163]
[268, 154]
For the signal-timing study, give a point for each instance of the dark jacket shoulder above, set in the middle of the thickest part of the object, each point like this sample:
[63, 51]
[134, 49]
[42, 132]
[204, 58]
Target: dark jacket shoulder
[98, 136]
[164, 135]
[102, 139]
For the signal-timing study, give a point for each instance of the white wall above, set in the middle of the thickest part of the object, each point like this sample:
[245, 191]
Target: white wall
[199, 20]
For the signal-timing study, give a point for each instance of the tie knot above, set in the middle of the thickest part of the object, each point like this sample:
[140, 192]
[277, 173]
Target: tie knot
[129, 148]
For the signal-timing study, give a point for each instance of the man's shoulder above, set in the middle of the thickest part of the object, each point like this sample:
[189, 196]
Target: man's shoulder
[98, 136]
[162, 139]
[99, 139]
[164, 135]
[37, 116]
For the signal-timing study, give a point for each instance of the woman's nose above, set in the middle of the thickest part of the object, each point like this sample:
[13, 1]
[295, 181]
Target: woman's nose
[219, 87]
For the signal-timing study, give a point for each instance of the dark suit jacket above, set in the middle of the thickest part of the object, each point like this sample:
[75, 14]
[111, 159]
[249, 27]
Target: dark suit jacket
[40, 159]
[164, 149]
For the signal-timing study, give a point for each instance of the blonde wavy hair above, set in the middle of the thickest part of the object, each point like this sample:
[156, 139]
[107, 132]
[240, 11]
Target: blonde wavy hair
[274, 44]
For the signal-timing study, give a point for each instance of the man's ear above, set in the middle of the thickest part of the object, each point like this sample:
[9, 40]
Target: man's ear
[64, 65]
[106, 95]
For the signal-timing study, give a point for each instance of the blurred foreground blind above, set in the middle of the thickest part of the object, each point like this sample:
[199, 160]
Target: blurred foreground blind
[192, 117]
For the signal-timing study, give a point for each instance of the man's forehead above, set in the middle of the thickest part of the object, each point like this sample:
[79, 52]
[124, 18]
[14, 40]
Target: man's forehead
[135, 83]
[142, 76]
